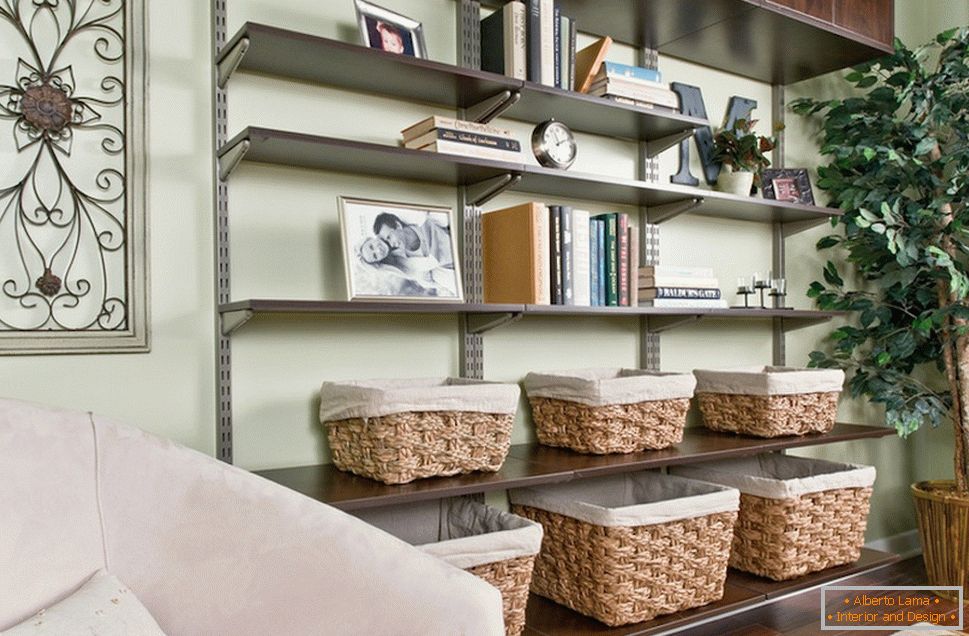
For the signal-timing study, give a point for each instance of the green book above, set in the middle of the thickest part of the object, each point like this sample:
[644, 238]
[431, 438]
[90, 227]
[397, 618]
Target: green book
[611, 257]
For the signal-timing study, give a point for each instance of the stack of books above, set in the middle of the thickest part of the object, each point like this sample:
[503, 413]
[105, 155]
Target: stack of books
[633, 85]
[459, 137]
[530, 40]
[668, 286]
[538, 254]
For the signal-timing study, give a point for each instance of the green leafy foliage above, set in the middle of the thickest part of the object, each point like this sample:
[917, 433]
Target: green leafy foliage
[898, 164]
[741, 149]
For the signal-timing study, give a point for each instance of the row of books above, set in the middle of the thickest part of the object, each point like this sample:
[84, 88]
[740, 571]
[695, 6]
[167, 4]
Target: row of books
[672, 286]
[456, 136]
[559, 255]
[530, 40]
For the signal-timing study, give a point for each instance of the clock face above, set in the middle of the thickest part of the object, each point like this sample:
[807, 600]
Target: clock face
[554, 145]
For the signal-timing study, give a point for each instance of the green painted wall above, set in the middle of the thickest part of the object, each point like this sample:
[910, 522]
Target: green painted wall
[285, 245]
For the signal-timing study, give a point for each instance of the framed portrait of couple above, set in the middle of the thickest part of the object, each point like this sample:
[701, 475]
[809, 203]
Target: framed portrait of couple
[397, 251]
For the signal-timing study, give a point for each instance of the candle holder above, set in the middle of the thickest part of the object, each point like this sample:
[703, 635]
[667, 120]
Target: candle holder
[761, 284]
[779, 293]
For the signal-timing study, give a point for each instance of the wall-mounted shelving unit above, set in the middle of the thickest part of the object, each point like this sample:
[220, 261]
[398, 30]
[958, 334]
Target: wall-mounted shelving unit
[794, 40]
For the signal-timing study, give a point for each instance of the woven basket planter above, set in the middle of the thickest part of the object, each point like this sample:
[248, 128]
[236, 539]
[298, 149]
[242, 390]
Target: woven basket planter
[628, 548]
[609, 410]
[493, 545]
[396, 431]
[797, 515]
[769, 401]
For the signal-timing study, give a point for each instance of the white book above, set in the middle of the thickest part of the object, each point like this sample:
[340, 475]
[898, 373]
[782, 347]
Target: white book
[467, 150]
[426, 125]
[465, 137]
[548, 41]
[581, 267]
[678, 281]
[516, 53]
[698, 303]
[676, 270]
[544, 257]
[660, 97]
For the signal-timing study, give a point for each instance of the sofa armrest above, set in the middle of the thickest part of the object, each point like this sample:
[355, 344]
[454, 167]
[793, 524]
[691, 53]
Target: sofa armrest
[210, 548]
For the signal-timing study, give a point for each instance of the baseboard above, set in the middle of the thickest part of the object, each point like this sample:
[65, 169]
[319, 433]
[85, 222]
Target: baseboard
[904, 544]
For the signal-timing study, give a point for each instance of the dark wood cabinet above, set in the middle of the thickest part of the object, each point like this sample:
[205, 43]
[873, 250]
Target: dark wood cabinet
[821, 9]
[871, 18]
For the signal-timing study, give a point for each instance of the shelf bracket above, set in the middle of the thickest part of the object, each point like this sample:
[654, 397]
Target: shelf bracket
[230, 62]
[660, 213]
[659, 324]
[657, 146]
[484, 191]
[492, 107]
[233, 320]
[793, 324]
[796, 227]
[481, 323]
[230, 159]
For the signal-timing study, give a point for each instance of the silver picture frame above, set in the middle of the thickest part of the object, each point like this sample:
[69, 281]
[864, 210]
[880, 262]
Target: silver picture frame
[389, 31]
[400, 251]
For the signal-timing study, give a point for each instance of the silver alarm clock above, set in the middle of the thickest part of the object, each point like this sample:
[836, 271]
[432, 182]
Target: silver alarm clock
[554, 144]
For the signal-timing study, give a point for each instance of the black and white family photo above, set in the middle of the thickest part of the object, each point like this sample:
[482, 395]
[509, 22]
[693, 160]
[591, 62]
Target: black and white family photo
[399, 251]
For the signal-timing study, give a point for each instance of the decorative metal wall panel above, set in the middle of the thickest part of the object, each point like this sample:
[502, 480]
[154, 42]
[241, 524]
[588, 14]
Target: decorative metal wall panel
[73, 270]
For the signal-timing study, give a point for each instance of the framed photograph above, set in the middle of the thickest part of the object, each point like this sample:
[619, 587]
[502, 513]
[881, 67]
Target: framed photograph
[793, 185]
[397, 251]
[389, 31]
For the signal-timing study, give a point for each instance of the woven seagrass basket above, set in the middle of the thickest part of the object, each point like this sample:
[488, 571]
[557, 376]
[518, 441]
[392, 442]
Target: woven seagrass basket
[493, 545]
[797, 515]
[609, 410]
[769, 401]
[628, 548]
[396, 431]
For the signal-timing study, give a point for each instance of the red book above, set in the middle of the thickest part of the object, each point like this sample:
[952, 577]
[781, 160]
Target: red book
[622, 237]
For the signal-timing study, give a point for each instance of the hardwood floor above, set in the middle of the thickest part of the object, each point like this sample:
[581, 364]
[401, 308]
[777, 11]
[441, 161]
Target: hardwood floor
[799, 614]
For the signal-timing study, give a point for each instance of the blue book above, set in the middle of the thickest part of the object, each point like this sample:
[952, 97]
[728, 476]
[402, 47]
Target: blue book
[594, 262]
[615, 69]
[601, 232]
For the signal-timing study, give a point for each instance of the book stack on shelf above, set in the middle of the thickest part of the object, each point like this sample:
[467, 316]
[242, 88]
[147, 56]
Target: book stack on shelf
[459, 137]
[532, 41]
[538, 254]
[669, 286]
[633, 85]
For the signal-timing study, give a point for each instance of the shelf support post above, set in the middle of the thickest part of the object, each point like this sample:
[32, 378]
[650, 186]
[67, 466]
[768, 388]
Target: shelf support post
[493, 107]
[648, 169]
[778, 233]
[228, 65]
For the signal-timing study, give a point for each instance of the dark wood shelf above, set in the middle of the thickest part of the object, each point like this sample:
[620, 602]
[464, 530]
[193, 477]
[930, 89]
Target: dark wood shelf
[533, 464]
[284, 53]
[743, 37]
[742, 591]
[379, 160]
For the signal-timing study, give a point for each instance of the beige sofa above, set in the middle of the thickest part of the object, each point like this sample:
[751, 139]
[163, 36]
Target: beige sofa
[206, 547]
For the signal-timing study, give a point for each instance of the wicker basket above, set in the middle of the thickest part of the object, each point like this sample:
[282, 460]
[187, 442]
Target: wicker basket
[493, 545]
[396, 431]
[769, 401]
[609, 410]
[797, 515]
[624, 549]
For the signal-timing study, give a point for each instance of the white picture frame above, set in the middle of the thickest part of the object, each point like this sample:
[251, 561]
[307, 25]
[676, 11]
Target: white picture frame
[399, 251]
[389, 31]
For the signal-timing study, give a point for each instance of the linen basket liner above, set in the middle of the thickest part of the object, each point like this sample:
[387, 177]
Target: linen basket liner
[639, 499]
[768, 380]
[780, 476]
[601, 387]
[375, 398]
[460, 532]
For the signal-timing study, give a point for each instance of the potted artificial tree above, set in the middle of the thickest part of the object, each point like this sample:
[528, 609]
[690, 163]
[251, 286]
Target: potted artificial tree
[740, 153]
[899, 159]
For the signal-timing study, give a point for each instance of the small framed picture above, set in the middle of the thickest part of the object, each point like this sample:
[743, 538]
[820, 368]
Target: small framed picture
[397, 251]
[793, 185]
[388, 31]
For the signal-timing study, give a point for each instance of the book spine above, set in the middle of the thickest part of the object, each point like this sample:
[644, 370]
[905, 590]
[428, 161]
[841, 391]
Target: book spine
[573, 38]
[611, 261]
[543, 253]
[601, 265]
[429, 124]
[477, 139]
[557, 39]
[568, 269]
[493, 43]
[622, 264]
[467, 150]
[684, 302]
[615, 69]
[555, 253]
[594, 225]
[534, 38]
[657, 96]
[685, 292]
[519, 50]
[547, 42]
[631, 281]
[580, 258]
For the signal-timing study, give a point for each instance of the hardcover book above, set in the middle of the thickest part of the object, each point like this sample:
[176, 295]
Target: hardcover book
[581, 267]
[631, 283]
[427, 125]
[601, 263]
[555, 254]
[463, 137]
[471, 150]
[594, 258]
[548, 42]
[568, 268]
[679, 292]
[515, 255]
[685, 303]
[615, 69]
[622, 254]
[503, 41]
[588, 61]
[533, 39]
[611, 259]
[557, 39]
